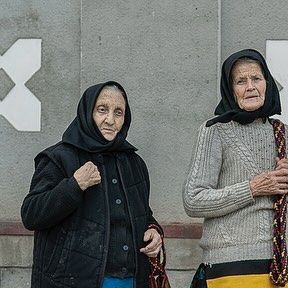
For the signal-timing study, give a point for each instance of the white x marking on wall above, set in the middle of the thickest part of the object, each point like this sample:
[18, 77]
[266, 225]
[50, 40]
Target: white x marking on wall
[20, 106]
[277, 60]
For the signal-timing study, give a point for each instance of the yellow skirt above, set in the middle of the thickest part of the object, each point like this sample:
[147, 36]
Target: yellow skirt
[242, 281]
[240, 274]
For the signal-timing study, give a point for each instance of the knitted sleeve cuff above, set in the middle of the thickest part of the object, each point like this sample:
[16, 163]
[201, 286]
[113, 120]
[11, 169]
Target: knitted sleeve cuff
[243, 194]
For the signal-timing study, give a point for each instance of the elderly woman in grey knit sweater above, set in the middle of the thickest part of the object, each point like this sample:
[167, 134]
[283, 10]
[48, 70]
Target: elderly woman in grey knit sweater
[235, 176]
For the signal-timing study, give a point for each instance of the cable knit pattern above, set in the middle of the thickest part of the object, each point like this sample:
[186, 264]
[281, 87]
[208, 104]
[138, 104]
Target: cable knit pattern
[236, 226]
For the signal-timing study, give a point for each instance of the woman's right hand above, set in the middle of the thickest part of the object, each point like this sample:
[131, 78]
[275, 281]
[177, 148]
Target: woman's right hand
[87, 175]
[272, 182]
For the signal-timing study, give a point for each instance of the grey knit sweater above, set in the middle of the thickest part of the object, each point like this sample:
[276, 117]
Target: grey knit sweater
[236, 225]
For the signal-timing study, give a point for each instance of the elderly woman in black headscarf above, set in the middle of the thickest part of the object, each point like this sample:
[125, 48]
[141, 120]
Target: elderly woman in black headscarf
[238, 180]
[89, 201]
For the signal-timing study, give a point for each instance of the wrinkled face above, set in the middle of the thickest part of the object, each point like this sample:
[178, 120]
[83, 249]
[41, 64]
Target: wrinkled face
[109, 113]
[249, 85]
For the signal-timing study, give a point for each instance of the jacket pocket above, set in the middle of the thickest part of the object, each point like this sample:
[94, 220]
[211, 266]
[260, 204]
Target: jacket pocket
[53, 251]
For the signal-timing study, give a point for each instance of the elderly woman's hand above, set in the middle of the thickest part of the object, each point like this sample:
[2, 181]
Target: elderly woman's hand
[281, 164]
[153, 247]
[87, 176]
[272, 182]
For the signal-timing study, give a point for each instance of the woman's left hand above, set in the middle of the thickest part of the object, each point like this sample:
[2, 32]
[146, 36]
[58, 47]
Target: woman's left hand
[281, 164]
[155, 242]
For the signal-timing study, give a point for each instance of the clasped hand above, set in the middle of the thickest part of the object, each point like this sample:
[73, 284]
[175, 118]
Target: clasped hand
[87, 175]
[272, 182]
[153, 247]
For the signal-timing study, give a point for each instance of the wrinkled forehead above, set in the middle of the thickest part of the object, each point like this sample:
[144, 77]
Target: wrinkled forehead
[246, 70]
[110, 93]
[110, 99]
[247, 63]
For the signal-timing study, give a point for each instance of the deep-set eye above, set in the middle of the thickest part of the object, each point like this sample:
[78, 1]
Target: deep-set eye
[101, 109]
[241, 82]
[119, 113]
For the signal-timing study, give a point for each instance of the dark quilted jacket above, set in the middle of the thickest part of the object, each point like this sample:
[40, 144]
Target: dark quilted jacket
[72, 227]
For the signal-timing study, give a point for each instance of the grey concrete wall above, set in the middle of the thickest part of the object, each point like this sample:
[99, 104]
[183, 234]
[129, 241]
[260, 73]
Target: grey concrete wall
[165, 53]
[56, 85]
[248, 24]
[15, 261]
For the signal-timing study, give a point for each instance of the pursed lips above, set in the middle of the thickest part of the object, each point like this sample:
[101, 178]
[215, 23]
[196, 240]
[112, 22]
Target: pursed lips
[109, 130]
[251, 97]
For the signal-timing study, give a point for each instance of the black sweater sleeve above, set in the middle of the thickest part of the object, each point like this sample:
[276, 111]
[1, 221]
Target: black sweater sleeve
[52, 197]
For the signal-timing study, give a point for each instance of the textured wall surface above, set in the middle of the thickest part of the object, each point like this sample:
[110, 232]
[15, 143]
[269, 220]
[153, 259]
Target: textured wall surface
[56, 85]
[250, 24]
[166, 54]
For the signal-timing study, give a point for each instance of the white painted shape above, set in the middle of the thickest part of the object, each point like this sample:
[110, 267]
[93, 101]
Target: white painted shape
[21, 107]
[277, 61]
[22, 59]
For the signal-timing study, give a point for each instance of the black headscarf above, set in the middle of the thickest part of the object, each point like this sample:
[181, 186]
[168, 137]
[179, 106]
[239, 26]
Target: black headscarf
[83, 133]
[228, 108]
